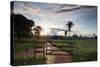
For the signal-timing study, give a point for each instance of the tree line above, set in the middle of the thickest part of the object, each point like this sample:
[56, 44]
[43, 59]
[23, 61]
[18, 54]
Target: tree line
[22, 26]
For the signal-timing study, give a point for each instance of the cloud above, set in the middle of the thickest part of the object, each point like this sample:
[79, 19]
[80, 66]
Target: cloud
[48, 8]
[27, 9]
[68, 8]
[50, 15]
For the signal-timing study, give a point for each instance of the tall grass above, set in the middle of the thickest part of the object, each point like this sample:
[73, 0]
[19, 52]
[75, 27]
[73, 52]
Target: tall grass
[83, 50]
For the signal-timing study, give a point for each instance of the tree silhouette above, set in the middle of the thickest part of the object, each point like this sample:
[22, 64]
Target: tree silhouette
[69, 24]
[75, 36]
[65, 33]
[22, 26]
[37, 31]
[94, 36]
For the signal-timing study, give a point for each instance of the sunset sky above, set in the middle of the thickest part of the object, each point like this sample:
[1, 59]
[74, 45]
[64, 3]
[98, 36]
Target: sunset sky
[51, 15]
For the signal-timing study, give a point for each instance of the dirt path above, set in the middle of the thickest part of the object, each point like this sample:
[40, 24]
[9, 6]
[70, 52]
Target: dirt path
[56, 55]
[53, 54]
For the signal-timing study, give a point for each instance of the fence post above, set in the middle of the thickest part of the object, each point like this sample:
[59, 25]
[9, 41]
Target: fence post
[44, 51]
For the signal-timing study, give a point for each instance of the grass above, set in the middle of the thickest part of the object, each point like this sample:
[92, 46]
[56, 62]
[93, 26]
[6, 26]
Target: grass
[86, 51]
[83, 50]
[20, 60]
[21, 46]
[63, 41]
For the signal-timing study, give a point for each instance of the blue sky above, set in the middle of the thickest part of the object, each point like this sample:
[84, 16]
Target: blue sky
[51, 15]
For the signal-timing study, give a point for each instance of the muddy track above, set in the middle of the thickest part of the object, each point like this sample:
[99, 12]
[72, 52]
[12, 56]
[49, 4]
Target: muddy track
[53, 54]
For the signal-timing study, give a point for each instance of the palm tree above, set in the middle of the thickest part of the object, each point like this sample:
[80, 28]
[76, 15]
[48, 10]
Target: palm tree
[69, 24]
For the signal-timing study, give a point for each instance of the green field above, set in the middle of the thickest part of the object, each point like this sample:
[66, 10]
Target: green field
[21, 46]
[27, 60]
[81, 50]
[20, 60]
